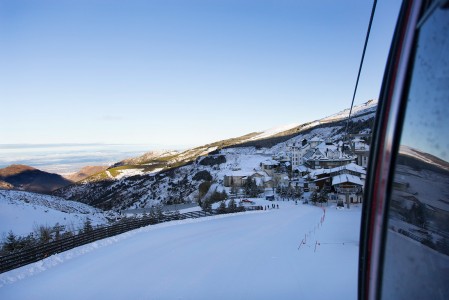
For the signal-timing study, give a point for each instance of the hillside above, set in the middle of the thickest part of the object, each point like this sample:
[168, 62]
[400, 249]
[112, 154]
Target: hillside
[5, 186]
[174, 177]
[30, 179]
[84, 173]
[22, 212]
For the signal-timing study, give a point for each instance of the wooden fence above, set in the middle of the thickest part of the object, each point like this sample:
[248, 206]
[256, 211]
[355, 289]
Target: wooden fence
[36, 253]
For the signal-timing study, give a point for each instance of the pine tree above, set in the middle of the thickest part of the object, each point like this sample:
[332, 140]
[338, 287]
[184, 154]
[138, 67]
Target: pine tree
[207, 206]
[232, 207]
[240, 208]
[251, 188]
[222, 208]
[11, 242]
[322, 196]
[87, 226]
[314, 197]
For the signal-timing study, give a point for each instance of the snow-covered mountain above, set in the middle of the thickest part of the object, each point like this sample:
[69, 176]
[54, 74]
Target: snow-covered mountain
[22, 212]
[174, 177]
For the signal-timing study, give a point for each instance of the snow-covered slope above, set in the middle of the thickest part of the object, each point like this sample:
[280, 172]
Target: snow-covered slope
[367, 107]
[273, 131]
[239, 256]
[22, 212]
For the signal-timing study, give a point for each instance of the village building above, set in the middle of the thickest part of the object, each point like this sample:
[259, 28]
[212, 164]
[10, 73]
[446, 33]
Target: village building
[326, 155]
[319, 179]
[339, 181]
[318, 153]
[282, 157]
[348, 188]
[239, 178]
[296, 152]
[300, 171]
[236, 178]
[352, 169]
[361, 151]
[269, 166]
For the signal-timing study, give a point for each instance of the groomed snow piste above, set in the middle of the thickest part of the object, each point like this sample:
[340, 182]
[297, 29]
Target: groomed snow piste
[294, 252]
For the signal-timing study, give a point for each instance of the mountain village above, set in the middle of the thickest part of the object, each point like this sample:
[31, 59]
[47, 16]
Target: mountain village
[337, 170]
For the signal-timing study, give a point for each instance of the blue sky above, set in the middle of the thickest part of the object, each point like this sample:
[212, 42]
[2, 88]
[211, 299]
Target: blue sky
[181, 72]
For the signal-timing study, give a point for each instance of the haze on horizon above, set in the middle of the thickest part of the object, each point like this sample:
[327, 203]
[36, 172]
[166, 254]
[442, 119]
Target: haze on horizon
[181, 72]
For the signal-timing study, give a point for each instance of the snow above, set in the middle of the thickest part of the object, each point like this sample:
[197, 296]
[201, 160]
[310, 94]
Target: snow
[22, 212]
[351, 167]
[346, 178]
[270, 162]
[294, 252]
[239, 173]
[273, 131]
[314, 173]
[240, 162]
[369, 106]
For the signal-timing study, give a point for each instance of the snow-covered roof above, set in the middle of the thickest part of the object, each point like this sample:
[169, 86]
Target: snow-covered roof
[351, 167]
[315, 173]
[316, 139]
[324, 147]
[258, 174]
[346, 178]
[270, 162]
[301, 168]
[239, 173]
[308, 153]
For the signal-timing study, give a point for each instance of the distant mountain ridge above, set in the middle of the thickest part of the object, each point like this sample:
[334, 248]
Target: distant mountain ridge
[27, 178]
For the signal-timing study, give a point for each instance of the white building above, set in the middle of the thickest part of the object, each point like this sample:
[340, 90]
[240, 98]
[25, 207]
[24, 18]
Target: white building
[348, 188]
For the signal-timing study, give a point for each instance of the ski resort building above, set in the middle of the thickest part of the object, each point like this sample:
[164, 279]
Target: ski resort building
[318, 153]
[361, 151]
[348, 188]
[340, 181]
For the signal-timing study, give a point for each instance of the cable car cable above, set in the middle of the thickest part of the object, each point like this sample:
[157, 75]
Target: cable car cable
[360, 66]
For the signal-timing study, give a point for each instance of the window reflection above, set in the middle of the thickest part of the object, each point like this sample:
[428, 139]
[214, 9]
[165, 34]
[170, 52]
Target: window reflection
[416, 264]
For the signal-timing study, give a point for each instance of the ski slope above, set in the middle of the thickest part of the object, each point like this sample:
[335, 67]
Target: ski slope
[294, 252]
